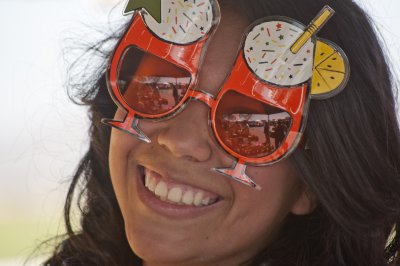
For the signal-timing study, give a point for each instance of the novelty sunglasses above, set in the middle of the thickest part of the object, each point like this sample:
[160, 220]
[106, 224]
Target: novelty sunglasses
[259, 113]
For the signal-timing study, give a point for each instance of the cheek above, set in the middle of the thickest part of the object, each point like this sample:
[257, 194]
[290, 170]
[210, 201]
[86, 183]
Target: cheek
[280, 187]
[123, 149]
[264, 211]
[118, 156]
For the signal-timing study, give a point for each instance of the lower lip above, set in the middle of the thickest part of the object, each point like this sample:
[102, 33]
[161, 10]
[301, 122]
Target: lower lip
[167, 209]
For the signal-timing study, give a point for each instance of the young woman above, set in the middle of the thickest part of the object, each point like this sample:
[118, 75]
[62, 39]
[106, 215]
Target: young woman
[333, 201]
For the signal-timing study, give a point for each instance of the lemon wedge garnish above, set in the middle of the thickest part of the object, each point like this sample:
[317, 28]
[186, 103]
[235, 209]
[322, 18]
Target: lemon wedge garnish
[331, 69]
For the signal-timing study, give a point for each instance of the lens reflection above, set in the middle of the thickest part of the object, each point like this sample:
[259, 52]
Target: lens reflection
[149, 84]
[249, 127]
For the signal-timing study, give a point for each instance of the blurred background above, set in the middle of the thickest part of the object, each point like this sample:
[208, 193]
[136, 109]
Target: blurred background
[43, 134]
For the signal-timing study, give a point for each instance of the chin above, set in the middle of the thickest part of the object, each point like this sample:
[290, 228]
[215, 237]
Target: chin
[163, 249]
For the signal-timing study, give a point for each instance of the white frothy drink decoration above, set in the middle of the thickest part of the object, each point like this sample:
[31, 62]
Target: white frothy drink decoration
[183, 22]
[267, 52]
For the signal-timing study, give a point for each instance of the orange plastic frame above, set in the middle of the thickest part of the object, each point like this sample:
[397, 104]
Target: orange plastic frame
[293, 100]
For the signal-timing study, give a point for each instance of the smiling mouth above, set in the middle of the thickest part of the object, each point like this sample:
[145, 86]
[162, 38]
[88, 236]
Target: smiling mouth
[173, 192]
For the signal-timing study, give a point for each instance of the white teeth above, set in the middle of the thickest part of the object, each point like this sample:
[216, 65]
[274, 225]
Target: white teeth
[175, 195]
[188, 197]
[198, 198]
[147, 180]
[152, 184]
[205, 201]
[161, 190]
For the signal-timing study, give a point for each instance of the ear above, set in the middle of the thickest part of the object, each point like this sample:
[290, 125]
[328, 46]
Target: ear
[305, 203]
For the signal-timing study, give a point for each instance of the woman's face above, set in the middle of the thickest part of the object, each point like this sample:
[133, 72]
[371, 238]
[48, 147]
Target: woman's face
[178, 162]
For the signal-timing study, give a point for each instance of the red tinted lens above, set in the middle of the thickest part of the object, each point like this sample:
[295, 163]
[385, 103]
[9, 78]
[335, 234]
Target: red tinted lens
[249, 127]
[149, 84]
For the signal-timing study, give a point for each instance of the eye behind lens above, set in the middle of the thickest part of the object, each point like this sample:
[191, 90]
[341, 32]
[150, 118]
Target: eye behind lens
[249, 127]
[150, 85]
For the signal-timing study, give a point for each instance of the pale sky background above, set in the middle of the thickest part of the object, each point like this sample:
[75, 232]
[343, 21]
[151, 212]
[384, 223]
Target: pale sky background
[43, 135]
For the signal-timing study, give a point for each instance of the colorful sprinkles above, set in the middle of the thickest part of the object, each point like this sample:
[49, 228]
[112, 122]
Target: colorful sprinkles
[267, 49]
[184, 21]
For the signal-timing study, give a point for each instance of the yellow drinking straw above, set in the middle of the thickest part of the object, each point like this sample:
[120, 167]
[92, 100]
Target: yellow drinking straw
[314, 27]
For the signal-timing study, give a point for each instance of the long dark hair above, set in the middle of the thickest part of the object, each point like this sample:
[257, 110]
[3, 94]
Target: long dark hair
[352, 165]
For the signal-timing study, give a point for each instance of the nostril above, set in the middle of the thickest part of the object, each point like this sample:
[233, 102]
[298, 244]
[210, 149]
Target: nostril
[190, 158]
[180, 153]
[190, 147]
[165, 147]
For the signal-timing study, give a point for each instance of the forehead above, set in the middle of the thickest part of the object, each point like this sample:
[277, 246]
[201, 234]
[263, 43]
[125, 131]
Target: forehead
[222, 50]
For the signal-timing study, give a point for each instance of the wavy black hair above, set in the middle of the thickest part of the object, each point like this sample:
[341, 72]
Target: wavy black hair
[352, 166]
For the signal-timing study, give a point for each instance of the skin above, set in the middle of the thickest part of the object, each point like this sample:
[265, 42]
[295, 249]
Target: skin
[245, 221]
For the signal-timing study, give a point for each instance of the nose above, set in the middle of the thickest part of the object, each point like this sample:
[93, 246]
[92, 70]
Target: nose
[187, 135]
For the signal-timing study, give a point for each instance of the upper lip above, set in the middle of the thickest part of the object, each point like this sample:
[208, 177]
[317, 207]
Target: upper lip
[185, 177]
